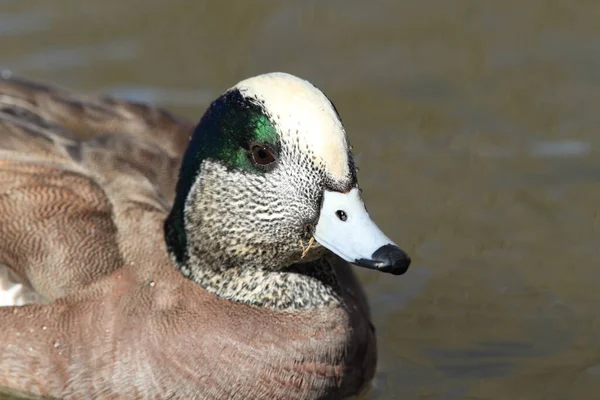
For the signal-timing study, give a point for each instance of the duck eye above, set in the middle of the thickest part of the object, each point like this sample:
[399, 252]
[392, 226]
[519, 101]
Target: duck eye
[262, 155]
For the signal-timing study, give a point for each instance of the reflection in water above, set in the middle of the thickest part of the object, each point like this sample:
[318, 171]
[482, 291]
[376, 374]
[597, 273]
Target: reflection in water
[476, 129]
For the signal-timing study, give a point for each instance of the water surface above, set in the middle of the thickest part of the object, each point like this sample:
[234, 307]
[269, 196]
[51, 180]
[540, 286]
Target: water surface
[475, 126]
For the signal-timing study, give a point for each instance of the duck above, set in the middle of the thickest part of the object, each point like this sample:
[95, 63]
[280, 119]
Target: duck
[182, 260]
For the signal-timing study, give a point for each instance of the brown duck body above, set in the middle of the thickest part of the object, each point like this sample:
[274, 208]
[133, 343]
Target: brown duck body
[85, 186]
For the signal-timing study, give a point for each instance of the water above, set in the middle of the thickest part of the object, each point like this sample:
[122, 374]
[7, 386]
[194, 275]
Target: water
[475, 125]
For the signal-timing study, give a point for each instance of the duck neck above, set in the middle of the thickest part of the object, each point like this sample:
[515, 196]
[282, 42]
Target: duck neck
[299, 286]
[306, 285]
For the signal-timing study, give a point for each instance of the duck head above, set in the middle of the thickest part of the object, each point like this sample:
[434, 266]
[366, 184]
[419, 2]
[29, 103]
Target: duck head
[268, 169]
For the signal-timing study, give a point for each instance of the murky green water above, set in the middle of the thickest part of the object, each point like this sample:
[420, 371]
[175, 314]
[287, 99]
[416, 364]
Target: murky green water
[476, 126]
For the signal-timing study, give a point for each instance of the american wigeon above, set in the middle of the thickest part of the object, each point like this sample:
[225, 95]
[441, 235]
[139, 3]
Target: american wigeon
[180, 262]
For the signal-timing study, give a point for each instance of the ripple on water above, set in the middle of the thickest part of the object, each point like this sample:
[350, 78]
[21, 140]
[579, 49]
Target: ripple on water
[21, 23]
[58, 58]
[561, 148]
[161, 95]
[482, 361]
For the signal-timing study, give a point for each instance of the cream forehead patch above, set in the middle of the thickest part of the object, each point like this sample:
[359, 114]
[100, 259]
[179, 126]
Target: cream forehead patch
[303, 115]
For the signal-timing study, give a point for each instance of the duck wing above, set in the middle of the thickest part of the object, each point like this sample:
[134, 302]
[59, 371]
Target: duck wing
[68, 164]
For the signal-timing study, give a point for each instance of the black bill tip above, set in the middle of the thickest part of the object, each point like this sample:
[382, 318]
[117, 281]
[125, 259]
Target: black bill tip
[389, 258]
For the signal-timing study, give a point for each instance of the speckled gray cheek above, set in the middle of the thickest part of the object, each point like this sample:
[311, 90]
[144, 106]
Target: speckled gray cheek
[245, 234]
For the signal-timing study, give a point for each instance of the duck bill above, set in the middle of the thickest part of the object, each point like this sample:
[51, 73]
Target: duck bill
[345, 228]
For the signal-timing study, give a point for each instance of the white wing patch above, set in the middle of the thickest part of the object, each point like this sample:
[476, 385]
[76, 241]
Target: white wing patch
[12, 292]
[303, 115]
